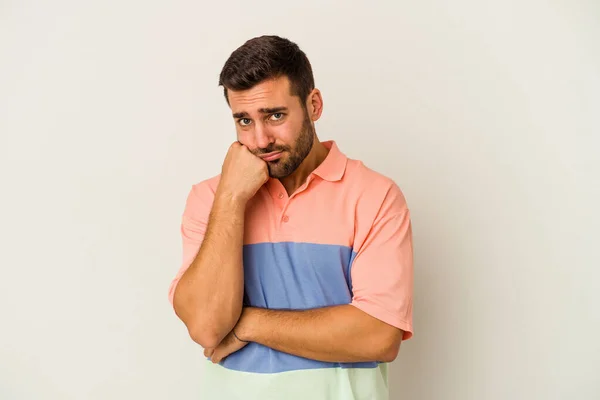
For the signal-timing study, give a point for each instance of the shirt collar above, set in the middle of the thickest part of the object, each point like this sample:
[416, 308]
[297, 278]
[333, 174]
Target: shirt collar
[333, 167]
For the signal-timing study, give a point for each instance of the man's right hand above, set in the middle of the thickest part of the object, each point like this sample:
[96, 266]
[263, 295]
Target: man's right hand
[242, 174]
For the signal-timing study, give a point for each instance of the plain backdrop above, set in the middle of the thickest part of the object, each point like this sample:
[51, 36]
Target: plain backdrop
[486, 114]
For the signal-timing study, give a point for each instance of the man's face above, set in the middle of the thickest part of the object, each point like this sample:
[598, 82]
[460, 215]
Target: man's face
[272, 123]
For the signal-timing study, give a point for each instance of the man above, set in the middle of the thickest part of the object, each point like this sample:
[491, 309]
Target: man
[297, 261]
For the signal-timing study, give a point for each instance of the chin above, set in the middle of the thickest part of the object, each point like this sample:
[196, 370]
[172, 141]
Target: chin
[275, 171]
[277, 168]
[277, 174]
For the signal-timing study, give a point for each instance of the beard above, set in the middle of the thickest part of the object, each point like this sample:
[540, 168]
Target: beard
[285, 166]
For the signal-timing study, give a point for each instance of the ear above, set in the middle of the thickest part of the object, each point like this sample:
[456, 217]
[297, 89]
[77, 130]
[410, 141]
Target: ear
[314, 104]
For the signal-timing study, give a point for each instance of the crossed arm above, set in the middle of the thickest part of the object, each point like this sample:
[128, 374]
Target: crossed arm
[334, 334]
[208, 297]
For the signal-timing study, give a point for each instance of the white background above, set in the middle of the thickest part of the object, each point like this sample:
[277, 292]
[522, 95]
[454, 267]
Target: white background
[485, 113]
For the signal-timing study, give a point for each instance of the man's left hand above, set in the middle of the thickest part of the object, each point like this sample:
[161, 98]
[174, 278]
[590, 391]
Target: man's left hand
[230, 344]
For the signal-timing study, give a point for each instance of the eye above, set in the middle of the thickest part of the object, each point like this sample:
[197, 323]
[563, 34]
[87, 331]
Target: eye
[277, 116]
[244, 121]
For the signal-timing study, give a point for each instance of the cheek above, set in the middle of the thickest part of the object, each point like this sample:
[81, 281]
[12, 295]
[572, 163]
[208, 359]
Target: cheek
[287, 132]
[245, 137]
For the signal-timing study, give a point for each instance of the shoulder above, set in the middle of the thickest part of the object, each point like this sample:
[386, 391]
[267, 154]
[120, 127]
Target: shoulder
[373, 190]
[206, 188]
[201, 195]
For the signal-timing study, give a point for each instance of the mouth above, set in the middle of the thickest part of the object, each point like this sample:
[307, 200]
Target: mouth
[271, 156]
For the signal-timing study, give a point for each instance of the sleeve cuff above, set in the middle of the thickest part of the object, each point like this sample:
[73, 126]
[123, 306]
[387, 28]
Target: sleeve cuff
[386, 316]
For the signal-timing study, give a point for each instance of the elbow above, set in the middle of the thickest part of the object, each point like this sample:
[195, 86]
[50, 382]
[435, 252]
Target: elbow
[390, 352]
[390, 346]
[208, 333]
[197, 327]
[206, 326]
[206, 338]
[199, 330]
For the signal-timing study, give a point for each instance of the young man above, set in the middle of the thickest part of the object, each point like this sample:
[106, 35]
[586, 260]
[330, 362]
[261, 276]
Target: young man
[297, 273]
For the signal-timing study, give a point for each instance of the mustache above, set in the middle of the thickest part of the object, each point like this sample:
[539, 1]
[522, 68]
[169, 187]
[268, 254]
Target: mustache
[270, 149]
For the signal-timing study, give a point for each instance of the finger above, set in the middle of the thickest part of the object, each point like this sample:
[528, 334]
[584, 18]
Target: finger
[208, 352]
[240, 145]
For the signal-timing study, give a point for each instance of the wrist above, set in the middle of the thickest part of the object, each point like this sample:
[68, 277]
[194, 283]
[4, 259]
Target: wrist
[245, 329]
[230, 200]
[239, 338]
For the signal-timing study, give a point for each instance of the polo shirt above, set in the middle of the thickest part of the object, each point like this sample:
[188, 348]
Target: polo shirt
[343, 237]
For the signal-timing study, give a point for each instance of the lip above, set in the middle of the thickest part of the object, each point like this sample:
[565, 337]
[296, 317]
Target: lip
[271, 156]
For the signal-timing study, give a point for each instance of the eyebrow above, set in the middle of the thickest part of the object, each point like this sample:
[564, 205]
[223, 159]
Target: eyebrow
[271, 110]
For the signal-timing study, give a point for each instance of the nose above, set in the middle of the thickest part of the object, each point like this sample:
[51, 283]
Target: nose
[262, 136]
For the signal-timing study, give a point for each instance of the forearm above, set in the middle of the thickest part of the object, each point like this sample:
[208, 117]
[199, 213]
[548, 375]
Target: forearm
[332, 334]
[208, 298]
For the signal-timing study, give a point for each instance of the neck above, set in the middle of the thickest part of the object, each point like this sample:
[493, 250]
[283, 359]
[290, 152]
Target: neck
[317, 154]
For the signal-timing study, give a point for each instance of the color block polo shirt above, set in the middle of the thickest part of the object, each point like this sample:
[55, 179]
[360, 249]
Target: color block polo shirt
[343, 237]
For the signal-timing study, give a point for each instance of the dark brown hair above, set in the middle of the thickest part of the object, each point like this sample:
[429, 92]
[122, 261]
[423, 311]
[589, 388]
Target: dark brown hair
[267, 57]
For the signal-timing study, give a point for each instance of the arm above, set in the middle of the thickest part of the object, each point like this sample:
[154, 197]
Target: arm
[379, 316]
[208, 297]
[207, 292]
[332, 334]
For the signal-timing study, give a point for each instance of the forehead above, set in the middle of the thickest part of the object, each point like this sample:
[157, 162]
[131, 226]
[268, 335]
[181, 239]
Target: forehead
[270, 93]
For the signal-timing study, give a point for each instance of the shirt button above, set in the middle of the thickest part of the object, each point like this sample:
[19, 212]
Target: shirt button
[286, 218]
[280, 195]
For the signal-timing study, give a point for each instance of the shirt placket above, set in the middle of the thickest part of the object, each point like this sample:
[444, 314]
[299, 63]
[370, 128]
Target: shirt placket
[282, 200]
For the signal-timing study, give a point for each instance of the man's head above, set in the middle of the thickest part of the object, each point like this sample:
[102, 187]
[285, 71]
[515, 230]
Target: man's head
[269, 85]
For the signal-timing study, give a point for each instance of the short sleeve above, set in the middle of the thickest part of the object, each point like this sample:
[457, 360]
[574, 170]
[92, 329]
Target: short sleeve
[193, 228]
[382, 268]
